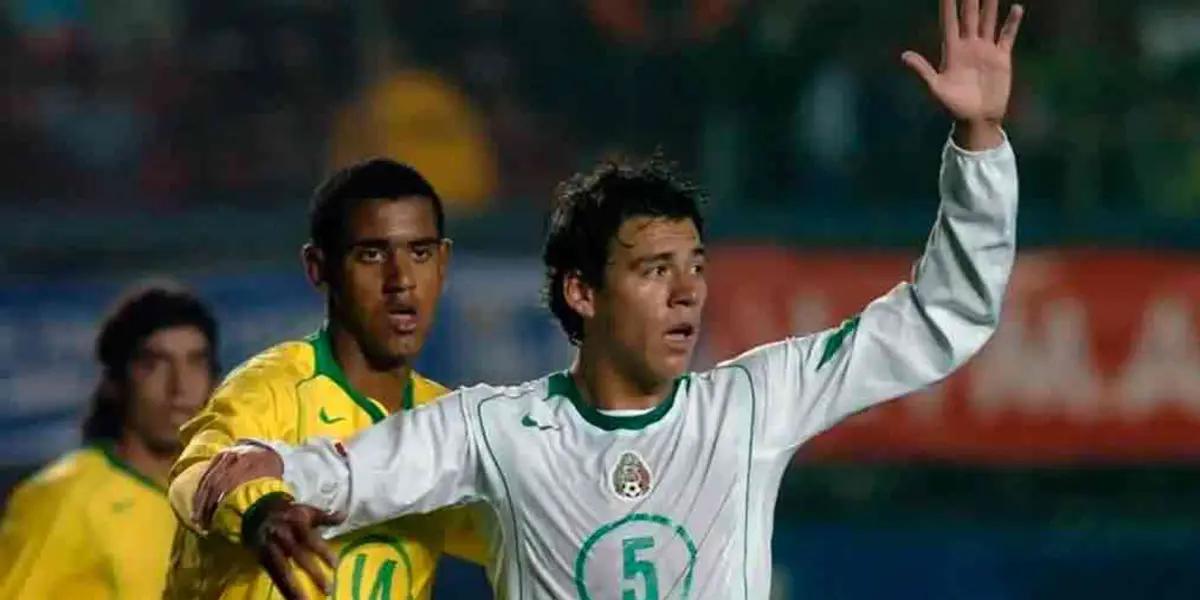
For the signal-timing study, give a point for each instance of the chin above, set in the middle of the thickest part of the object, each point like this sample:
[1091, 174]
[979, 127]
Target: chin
[672, 368]
[164, 445]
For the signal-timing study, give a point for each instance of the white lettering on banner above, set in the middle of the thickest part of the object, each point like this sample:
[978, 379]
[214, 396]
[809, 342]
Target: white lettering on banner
[1164, 368]
[1044, 370]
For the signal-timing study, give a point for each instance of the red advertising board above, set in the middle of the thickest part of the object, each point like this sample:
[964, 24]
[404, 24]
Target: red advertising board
[1097, 358]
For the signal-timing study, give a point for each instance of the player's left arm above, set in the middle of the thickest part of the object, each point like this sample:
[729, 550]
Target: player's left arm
[922, 331]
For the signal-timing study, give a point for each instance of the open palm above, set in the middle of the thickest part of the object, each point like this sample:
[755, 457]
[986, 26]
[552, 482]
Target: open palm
[975, 78]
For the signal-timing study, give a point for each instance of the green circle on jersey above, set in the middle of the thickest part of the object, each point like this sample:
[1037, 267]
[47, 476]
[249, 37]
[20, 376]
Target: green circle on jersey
[370, 565]
[637, 572]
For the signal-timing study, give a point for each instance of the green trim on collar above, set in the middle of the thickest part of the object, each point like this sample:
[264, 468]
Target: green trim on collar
[327, 365]
[562, 384]
[109, 450]
[406, 403]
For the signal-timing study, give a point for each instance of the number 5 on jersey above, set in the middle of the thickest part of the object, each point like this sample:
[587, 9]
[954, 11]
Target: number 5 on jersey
[635, 568]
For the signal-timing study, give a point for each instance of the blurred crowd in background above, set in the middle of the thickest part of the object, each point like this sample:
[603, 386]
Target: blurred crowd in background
[167, 104]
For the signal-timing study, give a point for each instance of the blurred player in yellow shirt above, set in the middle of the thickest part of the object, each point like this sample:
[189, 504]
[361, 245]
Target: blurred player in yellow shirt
[96, 522]
[379, 254]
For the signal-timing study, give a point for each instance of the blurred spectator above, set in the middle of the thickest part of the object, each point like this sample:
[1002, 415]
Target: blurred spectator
[420, 118]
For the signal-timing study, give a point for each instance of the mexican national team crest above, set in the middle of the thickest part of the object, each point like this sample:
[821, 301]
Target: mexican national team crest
[631, 477]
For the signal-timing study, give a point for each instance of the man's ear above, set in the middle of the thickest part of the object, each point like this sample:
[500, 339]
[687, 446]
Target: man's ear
[580, 296]
[314, 265]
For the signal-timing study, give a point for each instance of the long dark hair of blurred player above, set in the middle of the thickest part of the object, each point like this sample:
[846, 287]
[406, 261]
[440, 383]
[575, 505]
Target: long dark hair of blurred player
[96, 522]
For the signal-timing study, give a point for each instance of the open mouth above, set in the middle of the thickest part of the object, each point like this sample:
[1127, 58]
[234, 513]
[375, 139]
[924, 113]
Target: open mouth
[403, 318]
[681, 333]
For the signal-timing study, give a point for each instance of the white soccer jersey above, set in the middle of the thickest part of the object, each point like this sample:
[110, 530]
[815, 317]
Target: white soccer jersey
[677, 502]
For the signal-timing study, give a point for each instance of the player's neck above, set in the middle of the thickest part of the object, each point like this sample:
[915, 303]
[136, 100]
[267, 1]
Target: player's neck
[606, 387]
[385, 386]
[134, 452]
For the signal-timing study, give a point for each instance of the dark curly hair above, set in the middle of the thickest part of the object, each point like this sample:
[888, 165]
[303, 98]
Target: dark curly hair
[588, 210]
[138, 315]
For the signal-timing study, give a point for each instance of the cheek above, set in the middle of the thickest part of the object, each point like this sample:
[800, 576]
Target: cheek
[359, 291]
[147, 391]
[636, 310]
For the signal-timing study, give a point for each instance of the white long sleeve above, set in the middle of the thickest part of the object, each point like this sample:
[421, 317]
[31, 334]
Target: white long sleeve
[916, 334]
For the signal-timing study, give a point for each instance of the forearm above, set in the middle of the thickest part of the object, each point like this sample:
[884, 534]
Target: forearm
[959, 283]
[413, 462]
[213, 497]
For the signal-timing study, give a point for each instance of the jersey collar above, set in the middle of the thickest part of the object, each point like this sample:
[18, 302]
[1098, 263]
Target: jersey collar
[328, 366]
[562, 384]
[108, 449]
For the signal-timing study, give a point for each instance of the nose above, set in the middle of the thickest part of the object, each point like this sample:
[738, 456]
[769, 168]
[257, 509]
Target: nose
[174, 380]
[398, 273]
[686, 290]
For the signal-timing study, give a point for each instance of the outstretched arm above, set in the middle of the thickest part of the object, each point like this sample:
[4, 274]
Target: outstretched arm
[922, 331]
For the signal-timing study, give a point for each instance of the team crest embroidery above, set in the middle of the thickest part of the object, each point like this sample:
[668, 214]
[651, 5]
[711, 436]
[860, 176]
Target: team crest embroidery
[631, 477]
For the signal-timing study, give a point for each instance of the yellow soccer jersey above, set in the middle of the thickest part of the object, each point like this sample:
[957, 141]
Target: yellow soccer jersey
[289, 393]
[86, 526]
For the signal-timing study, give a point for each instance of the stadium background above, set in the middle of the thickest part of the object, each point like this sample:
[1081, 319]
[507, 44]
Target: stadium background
[181, 138]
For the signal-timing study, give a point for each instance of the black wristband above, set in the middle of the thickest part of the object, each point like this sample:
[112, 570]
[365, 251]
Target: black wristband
[253, 517]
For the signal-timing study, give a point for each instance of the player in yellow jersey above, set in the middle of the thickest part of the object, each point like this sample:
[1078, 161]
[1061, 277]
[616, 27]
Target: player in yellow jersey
[379, 254]
[96, 522]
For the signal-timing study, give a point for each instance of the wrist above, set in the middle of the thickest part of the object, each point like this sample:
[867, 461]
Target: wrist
[978, 135]
[257, 514]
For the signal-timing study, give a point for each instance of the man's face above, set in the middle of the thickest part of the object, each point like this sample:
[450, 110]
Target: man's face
[648, 311]
[169, 379]
[390, 278]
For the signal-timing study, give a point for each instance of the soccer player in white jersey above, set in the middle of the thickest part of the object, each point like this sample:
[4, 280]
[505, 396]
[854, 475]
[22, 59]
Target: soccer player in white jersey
[625, 476]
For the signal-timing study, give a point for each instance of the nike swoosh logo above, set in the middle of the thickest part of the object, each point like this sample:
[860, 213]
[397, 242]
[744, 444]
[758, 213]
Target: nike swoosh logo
[529, 422]
[120, 507]
[325, 418]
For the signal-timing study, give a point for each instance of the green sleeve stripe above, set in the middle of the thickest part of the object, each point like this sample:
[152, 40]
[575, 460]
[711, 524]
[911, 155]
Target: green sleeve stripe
[835, 340]
[512, 509]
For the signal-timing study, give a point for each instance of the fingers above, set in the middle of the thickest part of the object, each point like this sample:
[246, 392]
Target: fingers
[1008, 34]
[318, 518]
[950, 28]
[314, 545]
[276, 564]
[918, 64]
[987, 26]
[970, 19]
[326, 519]
[305, 561]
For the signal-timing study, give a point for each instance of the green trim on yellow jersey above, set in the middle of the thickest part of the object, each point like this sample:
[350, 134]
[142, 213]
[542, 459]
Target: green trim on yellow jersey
[327, 365]
[109, 450]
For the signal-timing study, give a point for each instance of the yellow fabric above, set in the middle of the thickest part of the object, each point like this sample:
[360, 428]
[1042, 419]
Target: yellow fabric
[289, 393]
[227, 521]
[85, 526]
[420, 118]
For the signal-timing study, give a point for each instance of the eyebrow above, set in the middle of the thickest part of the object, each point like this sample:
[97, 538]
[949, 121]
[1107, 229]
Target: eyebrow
[699, 251]
[386, 243]
[149, 352]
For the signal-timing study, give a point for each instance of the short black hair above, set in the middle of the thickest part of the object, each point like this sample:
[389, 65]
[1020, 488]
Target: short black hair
[376, 178]
[138, 315]
[589, 209]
